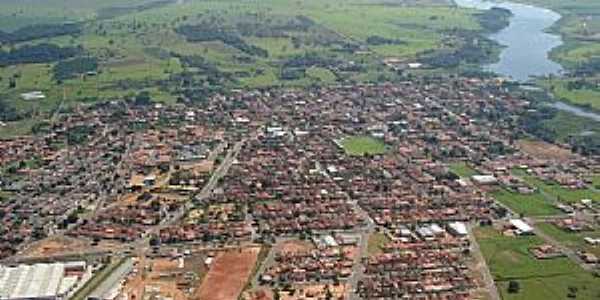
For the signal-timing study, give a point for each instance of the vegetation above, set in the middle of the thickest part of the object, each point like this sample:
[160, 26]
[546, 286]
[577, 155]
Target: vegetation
[39, 31]
[509, 260]
[42, 53]
[555, 126]
[461, 169]
[70, 68]
[188, 50]
[98, 278]
[554, 190]
[362, 145]
[527, 205]
[376, 241]
[574, 240]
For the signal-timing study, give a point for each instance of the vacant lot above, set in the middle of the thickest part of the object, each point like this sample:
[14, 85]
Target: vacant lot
[528, 205]
[361, 145]
[462, 170]
[543, 150]
[509, 260]
[228, 275]
[571, 239]
[376, 241]
[554, 190]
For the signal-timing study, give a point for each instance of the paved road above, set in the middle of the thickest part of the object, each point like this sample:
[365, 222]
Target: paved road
[357, 269]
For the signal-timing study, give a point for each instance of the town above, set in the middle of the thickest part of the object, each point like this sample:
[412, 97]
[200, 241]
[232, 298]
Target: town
[365, 191]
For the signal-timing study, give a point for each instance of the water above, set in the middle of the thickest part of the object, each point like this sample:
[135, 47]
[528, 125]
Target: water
[527, 45]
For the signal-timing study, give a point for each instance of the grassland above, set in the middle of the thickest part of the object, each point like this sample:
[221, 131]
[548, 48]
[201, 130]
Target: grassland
[361, 145]
[527, 205]
[571, 239]
[581, 96]
[462, 170]
[558, 192]
[509, 259]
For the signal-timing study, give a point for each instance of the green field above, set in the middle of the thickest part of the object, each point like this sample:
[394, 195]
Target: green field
[361, 145]
[558, 192]
[527, 205]
[509, 259]
[462, 170]
[570, 239]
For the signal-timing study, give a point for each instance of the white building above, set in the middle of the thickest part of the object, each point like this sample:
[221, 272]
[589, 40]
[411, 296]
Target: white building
[521, 227]
[39, 281]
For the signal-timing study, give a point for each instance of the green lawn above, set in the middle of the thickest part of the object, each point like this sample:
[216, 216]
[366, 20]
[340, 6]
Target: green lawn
[509, 259]
[462, 169]
[527, 205]
[361, 145]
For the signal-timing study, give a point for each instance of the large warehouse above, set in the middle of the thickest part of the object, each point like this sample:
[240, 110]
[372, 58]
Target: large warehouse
[39, 281]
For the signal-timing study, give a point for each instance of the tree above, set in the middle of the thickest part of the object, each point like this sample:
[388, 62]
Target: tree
[513, 287]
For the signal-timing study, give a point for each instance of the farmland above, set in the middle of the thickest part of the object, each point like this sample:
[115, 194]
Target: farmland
[509, 260]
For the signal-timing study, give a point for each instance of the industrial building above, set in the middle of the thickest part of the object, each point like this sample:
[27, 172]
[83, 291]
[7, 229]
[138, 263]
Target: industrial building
[40, 281]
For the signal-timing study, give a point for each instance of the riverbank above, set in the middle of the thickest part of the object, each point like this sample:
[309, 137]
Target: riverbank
[526, 41]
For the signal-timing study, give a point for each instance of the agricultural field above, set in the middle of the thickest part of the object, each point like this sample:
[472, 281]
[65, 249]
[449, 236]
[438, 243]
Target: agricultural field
[527, 205]
[361, 145]
[184, 50]
[509, 259]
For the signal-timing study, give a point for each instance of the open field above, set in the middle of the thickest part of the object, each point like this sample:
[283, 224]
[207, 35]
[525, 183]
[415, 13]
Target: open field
[543, 150]
[526, 205]
[509, 259]
[228, 275]
[558, 192]
[361, 145]
[376, 241]
[462, 170]
[571, 239]
[572, 91]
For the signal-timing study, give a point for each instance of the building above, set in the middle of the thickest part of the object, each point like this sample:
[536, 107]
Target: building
[521, 227]
[484, 179]
[40, 281]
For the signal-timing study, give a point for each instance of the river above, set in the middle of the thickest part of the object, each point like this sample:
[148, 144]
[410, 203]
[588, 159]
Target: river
[526, 43]
[527, 46]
